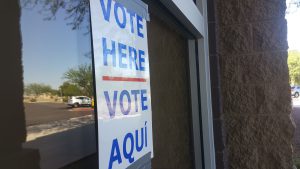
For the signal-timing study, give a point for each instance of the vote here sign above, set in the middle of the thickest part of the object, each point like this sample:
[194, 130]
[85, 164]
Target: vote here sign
[122, 84]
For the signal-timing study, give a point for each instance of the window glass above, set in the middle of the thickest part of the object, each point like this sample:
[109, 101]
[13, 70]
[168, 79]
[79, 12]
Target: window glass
[57, 65]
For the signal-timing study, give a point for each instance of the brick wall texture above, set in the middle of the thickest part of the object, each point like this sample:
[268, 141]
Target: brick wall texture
[250, 84]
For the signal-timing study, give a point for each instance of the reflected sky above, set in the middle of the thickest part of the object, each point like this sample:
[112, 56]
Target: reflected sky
[51, 47]
[293, 20]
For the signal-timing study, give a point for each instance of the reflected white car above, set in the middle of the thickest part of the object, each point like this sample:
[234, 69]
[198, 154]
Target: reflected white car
[77, 101]
[295, 91]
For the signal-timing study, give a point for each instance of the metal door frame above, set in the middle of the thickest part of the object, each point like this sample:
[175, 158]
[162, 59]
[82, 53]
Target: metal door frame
[193, 15]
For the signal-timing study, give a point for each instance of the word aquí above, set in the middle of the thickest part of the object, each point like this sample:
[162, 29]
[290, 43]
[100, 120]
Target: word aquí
[127, 56]
[137, 142]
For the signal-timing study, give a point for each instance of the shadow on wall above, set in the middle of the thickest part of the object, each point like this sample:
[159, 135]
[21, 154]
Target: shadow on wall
[12, 116]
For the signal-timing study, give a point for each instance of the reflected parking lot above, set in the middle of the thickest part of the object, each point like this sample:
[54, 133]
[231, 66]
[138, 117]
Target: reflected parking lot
[41, 113]
[296, 102]
[44, 119]
[296, 118]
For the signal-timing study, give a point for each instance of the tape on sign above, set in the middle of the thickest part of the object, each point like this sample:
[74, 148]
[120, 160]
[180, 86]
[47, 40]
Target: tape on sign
[136, 6]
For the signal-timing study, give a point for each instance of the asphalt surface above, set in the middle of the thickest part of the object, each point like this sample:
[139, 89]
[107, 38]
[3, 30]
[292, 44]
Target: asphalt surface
[42, 113]
[296, 118]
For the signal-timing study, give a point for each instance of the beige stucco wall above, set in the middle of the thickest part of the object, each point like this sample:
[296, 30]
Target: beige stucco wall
[251, 51]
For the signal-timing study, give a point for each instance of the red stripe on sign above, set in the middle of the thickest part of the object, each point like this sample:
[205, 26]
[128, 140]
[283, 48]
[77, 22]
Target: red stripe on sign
[123, 79]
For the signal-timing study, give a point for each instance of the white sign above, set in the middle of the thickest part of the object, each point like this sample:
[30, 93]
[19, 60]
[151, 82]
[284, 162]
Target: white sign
[122, 84]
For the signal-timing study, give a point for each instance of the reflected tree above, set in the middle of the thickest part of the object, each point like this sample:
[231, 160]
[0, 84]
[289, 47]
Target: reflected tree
[68, 89]
[292, 6]
[81, 76]
[38, 89]
[297, 3]
[294, 67]
[77, 11]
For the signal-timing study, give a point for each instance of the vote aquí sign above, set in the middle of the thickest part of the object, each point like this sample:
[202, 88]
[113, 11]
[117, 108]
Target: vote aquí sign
[122, 84]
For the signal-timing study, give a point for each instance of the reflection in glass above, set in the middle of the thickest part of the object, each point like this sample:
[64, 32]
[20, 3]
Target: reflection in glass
[57, 62]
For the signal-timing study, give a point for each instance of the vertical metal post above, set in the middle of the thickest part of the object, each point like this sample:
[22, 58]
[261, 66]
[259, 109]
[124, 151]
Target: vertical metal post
[195, 105]
[205, 92]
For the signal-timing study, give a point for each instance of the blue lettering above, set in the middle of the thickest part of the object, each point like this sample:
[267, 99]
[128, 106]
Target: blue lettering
[129, 145]
[119, 6]
[113, 156]
[139, 26]
[128, 155]
[107, 52]
[144, 99]
[121, 18]
[106, 10]
[141, 60]
[128, 57]
[125, 101]
[139, 148]
[133, 58]
[131, 15]
[135, 93]
[111, 109]
[122, 55]
[126, 93]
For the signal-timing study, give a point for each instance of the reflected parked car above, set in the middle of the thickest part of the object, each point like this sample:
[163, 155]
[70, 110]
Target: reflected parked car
[295, 91]
[77, 101]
